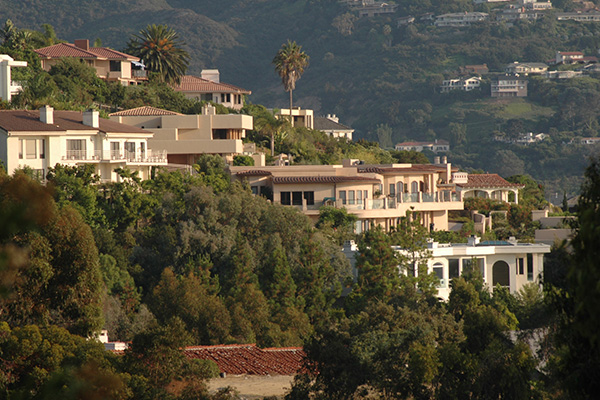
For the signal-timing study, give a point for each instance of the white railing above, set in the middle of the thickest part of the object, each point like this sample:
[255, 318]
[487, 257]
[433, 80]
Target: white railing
[148, 156]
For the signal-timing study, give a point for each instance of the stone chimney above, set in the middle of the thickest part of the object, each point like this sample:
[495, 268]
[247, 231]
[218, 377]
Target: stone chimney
[91, 118]
[436, 160]
[333, 117]
[47, 115]
[83, 44]
[212, 75]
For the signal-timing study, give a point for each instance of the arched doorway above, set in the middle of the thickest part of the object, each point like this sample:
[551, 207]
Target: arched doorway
[501, 274]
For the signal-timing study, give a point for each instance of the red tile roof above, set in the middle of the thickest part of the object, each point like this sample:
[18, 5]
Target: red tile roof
[29, 121]
[238, 359]
[488, 181]
[254, 172]
[144, 111]
[322, 179]
[70, 50]
[191, 83]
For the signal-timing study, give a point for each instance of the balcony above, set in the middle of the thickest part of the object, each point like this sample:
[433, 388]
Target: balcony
[139, 73]
[139, 157]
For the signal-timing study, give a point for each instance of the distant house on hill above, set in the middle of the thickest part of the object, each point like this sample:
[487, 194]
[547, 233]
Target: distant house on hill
[372, 8]
[568, 57]
[465, 84]
[208, 87]
[331, 126]
[8, 88]
[110, 65]
[436, 146]
[509, 86]
[458, 20]
[588, 16]
[525, 68]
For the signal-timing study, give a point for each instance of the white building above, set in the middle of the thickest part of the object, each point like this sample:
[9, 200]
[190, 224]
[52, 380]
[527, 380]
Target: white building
[460, 19]
[507, 263]
[209, 87]
[8, 88]
[466, 84]
[41, 139]
[331, 126]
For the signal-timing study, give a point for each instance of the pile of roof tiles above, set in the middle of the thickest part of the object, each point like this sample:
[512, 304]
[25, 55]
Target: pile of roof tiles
[239, 359]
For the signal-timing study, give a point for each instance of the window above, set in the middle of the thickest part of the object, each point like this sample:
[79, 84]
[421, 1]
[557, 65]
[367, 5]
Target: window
[392, 189]
[520, 266]
[351, 198]
[286, 198]
[297, 198]
[142, 150]
[414, 187]
[76, 149]
[530, 267]
[453, 268]
[30, 148]
[342, 196]
[366, 194]
[359, 197]
[225, 97]
[254, 189]
[310, 198]
[20, 149]
[115, 150]
[130, 150]
[115, 66]
[42, 149]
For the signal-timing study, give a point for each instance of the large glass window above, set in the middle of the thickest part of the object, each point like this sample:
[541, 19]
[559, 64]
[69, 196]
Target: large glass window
[76, 149]
[521, 266]
[342, 196]
[453, 268]
[21, 149]
[351, 198]
[310, 198]
[30, 148]
[286, 198]
[115, 150]
[42, 149]
[115, 66]
[530, 267]
[297, 198]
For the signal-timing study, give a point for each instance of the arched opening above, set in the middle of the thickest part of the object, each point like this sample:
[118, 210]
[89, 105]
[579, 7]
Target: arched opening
[501, 274]
[414, 187]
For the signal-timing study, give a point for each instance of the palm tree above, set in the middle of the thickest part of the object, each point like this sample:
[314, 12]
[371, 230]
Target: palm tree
[290, 63]
[161, 51]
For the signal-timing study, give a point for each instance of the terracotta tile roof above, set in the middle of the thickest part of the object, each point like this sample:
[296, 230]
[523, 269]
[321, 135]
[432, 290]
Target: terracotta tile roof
[70, 50]
[488, 181]
[322, 179]
[191, 83]
[29, 121]
[323, 123]
[238, 359]
[144, 111]
[254, 172]
[439, 142]
[414, 168]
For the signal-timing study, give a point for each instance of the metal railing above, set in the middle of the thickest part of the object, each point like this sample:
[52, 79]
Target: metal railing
[148, 156]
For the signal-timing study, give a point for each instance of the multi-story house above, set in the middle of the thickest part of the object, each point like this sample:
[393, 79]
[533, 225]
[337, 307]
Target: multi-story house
[438, 145]
[298, 117]
[371, 8]
[509, 86]
[466, 84]
[460, 19]
[331, 126]
[525, 68]
[590, 16]
[501, 262]
[110, 65]
[41, 139]
[376, 194]
[569, 57]
[512, 14]
[208, 87]
[186, 137]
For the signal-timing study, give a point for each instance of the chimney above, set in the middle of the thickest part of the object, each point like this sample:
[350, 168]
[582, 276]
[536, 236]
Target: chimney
[209, 109]
[436, 160]
[333, 117]
[444, 160]
[91, 118]
[47, 115]
[212, 75]
[83, 44]
[448, 170]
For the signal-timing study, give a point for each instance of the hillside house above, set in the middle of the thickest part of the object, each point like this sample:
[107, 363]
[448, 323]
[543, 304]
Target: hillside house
[371, 8]
[298, 117]
[8, 87]
[489, 186]
[208, 87]
[589, 16]
[41, 139]
[458, 20]
[569, 57]
[465, 84]
[526, 68]
[512, 14]
[439, 145]
[376, 194]
[509, 86]
[110, 65]
[331, 126]
[186, 137]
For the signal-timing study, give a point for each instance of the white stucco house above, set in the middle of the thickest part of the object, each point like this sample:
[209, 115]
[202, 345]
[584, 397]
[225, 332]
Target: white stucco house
[41, 139]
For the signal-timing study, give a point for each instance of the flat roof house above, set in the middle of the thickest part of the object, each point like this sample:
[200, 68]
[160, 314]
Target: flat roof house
[186, 137]
[41, 139]
[509, 86]
[376, 194]
[110, 65]
[208, 87]
[331, 126]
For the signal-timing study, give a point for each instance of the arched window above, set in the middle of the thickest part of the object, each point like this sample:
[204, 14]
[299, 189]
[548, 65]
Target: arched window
[414, 187]
[501, 274]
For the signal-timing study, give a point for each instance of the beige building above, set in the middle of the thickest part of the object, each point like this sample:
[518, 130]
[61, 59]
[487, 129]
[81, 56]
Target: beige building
[44, 138]
[110, 65]
[489, 186]
[185, 137]
[209, 87]
[8, 87]
[376, 194]
[298, 117]
[509, 86]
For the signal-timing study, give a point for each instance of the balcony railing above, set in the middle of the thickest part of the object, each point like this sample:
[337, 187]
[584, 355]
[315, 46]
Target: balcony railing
[148, 156]
[139, 73]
